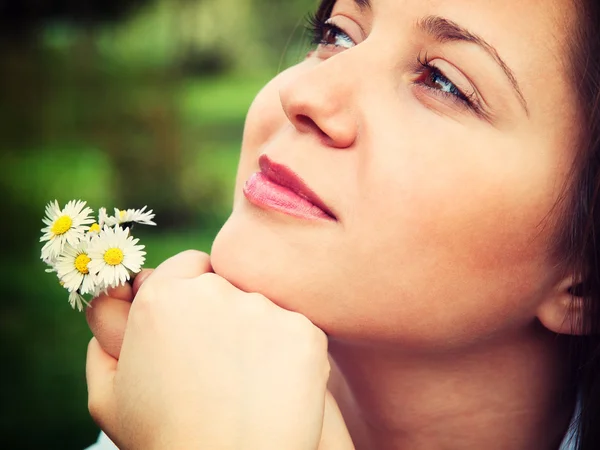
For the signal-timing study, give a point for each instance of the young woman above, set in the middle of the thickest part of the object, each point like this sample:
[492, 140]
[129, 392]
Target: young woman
[423, 189]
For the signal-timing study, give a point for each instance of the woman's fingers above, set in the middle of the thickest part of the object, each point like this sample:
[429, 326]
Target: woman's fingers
[192, 334]
[108, 314]
[100, 372]
[139, 280]
[123, 292]
[188, 264]
[107, 318]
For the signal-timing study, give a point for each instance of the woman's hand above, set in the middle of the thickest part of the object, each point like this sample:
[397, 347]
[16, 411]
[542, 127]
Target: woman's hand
[204, 363]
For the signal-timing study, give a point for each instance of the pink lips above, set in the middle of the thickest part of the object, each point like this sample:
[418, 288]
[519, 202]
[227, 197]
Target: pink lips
[279, 188]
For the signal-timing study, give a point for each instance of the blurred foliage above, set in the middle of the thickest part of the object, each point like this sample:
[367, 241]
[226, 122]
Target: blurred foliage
[23, 16]
[121, 103]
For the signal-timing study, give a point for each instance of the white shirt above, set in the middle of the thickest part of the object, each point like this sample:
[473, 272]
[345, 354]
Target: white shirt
[104, 443]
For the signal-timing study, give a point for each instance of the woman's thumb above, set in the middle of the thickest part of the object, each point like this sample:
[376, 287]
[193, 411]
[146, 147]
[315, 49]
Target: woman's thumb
[100, 374]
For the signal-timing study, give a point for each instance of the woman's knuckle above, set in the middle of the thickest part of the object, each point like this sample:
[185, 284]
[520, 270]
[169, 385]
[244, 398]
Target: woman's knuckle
[154, 291]
[95, 406]
[199, 257]
[151, 302]
[309, 341]
[320, 338]
[211, 283]
[210, 279]
[194, 253]
[300, 324]
[257, 302]
[250, 311]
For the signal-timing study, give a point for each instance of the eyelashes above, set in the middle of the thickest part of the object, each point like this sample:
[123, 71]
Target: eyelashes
[323, 33]
[315, 27]
[430, 77]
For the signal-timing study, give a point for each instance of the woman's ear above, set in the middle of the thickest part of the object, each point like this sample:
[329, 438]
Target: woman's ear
[563, 310]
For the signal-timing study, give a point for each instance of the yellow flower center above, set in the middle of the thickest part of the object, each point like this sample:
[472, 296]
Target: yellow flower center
[94, 228]
[81, 263]
[62, 225]
[122, 214]
[113, 256]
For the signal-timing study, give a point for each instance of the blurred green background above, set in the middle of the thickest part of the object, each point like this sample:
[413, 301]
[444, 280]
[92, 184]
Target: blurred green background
[121, 103]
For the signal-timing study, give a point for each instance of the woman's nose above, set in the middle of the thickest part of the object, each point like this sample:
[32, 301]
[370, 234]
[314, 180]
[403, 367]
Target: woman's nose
[319, 101]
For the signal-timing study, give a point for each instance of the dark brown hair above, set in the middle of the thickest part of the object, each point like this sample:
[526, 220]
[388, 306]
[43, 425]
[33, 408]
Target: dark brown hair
[581, 227]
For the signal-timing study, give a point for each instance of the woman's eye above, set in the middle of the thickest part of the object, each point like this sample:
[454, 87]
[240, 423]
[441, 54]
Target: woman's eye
[432, 78]
[435, 79]
[327, 34]
[335, 36]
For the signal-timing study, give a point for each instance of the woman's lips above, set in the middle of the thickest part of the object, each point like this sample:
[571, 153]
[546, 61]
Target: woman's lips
[277, 187]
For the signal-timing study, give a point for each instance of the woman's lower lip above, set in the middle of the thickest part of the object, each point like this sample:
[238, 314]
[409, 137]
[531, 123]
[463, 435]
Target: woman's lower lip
[262, 192]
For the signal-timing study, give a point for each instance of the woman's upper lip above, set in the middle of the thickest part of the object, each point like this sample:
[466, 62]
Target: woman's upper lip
[284, 176]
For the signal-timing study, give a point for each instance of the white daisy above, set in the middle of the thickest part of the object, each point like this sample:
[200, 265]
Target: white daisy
[114, 256]
[63, 226]
[76, 300]
[94, 228]
[51, 265]
[72, 268]
[103, 219]
[100, 288]
[134, 215]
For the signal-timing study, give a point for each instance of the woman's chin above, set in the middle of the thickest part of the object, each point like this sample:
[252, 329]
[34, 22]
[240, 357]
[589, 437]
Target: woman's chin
[255, 259]
[226, 256]
[236, 256]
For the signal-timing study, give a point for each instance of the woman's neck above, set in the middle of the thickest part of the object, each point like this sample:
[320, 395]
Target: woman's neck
[506, 395]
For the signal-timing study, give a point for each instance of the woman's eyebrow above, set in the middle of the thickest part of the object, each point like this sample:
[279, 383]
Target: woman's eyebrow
[362, 4]
[444, 30]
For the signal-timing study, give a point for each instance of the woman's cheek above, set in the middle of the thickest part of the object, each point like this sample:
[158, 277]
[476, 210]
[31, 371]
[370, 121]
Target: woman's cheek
[266, 115]
[265, 118]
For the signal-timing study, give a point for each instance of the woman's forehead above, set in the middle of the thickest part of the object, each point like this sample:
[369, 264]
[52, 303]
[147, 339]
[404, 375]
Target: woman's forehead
[531, 40]
[537, 14]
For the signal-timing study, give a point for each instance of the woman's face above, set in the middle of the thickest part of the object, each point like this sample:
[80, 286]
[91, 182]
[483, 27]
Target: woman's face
[440, 135]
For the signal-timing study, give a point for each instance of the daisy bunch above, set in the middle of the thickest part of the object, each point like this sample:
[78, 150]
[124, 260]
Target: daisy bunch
[89, 255]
